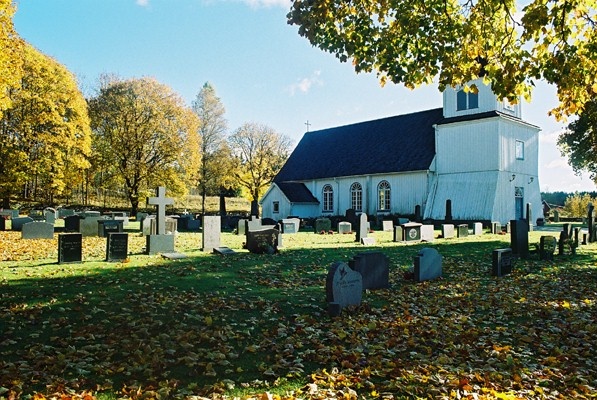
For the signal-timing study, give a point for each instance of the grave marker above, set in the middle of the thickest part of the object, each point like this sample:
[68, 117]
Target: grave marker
[105, 226]
[374, 268]
[322, 225]
[547, 247]
[362, 227]
[477, 228]
[427, 265]
[117, 246]
[462, 230]
[501, 262]
[70, 248]
[72, 223]
[17, 223]
[264, 241]
[210, 238]
[160, 201]
[343, 286]
[519, 238]
[447, 231]
[344, 227]
[427, 233]
[387, 226]
[37, 230]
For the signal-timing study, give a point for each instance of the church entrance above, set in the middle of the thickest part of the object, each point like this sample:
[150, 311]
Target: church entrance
[519, 202]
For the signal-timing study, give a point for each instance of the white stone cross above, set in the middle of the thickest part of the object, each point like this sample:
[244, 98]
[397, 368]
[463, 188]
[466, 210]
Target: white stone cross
[160, 201]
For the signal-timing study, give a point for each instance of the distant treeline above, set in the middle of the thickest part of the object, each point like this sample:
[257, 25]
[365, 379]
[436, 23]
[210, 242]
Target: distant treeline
[559, 198]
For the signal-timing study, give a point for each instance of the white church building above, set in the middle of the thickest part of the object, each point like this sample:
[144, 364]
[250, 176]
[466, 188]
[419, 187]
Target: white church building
[475, 151]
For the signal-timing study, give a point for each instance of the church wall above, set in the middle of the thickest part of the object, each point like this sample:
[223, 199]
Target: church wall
[272, 195]
[487, 101]
[468, 146]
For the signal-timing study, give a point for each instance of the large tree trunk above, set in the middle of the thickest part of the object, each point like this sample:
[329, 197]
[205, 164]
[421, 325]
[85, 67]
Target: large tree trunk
[134, 199]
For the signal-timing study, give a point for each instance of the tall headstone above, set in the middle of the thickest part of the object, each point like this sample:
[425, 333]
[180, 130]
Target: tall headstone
[117, 246]
[591, 223]
[519, 238]
[362, 227]
[210, 238]
[418, 213]
[241, 226]
[160, 242]
[70, 248]
[427, 265]
[448, 210]
[2, 223]
[351, 216]
[529, 217]
[50, 215]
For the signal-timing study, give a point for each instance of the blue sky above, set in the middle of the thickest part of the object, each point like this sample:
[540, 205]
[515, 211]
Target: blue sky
[262, 70]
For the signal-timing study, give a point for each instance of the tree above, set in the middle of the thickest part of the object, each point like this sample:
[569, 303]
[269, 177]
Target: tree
[577, 205]
[413, 41]
[214, 155]
[260, 152]
[11, 46]
[579, 141]
[45, 137]
[145, 133]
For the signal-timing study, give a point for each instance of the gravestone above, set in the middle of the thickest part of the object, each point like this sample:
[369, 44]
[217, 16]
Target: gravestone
[427, 265]
[411, 232]
[70, 248]
[105, 226]
[448, 210]
[496, 227]
[210, 238]
[291, 225]
[362, 227]
[344, 227]
[501, 262]
[160, 242]
[323, 225]
[254, 224]
[117, 246]
[12, 214]
[240, 227]
[37, 215]
[368, 241]
[147, 225]
[91, 214]
[65, 212]
[427, 233]
[519, 238]
[576, 233]
[529, 216]
[224, 251]
[2, 223]
[263, 241]
[477, 228]
[418, 213]
[343, 286]
[72, 223]
[387, 226]
[17, 223]
[447, 231]
[37, 230]
[50, 216]
[374, 268]
[547, 247]
[590, 222]
[351, 216]
[462, 230]
[88, 226]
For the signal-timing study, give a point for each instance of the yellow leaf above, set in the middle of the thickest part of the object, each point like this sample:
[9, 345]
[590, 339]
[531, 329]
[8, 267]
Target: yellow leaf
[208, 320]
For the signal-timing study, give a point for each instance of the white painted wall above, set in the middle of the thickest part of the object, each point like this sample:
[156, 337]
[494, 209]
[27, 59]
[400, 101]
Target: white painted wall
[487, 102]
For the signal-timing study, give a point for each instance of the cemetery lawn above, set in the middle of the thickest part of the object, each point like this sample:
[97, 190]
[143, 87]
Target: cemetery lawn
[256, 326]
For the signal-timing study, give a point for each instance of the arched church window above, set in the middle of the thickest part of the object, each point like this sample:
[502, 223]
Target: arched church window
[356, 196]
[383, 196]
[328, 198]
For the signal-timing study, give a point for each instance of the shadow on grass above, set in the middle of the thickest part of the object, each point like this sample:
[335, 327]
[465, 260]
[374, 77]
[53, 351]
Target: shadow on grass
[244, 317]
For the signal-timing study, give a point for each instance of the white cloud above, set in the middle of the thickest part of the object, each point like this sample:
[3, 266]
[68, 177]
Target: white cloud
[305, 84]
[558, 163]
[550, 137]
[142, 3]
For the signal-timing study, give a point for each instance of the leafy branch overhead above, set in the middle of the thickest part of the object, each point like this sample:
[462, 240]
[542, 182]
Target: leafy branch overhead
[412, 42]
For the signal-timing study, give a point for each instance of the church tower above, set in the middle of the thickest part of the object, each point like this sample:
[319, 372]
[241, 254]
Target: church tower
[486, 159]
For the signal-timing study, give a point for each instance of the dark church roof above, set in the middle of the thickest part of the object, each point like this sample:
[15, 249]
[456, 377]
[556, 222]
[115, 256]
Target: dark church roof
[395, 144]
[297, 192]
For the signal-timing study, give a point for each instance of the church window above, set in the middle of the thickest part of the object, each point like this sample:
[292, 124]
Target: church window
[383, 195]
[328, 198]
[519, 150]
[276, 207]
[356, 196]
[466, 101]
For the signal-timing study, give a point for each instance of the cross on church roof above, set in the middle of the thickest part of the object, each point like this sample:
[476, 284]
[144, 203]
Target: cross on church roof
[160, 201]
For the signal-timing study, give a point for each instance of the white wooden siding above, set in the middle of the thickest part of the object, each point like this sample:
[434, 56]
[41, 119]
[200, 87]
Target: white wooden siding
[487, 102]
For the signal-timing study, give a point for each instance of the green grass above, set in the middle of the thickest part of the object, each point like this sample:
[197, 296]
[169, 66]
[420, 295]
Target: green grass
[246, 323]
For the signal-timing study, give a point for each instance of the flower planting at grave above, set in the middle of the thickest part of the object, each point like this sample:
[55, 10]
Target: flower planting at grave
[255, 326]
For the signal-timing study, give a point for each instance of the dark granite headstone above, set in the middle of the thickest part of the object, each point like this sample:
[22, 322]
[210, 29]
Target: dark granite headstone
[17, 223]
[591, 222]
[72, 223]
[105, 226]
[323, 225]
[351, 216]
[70, 248]
[547, 247]
[448, 210]
[501, 262]
[411, 232]
[418, 213]
[117, 246]
[374, 268]
[519, 238]
[343, 285]
[427, 265]
[264, 241]
[2, 223]
[362, 227]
